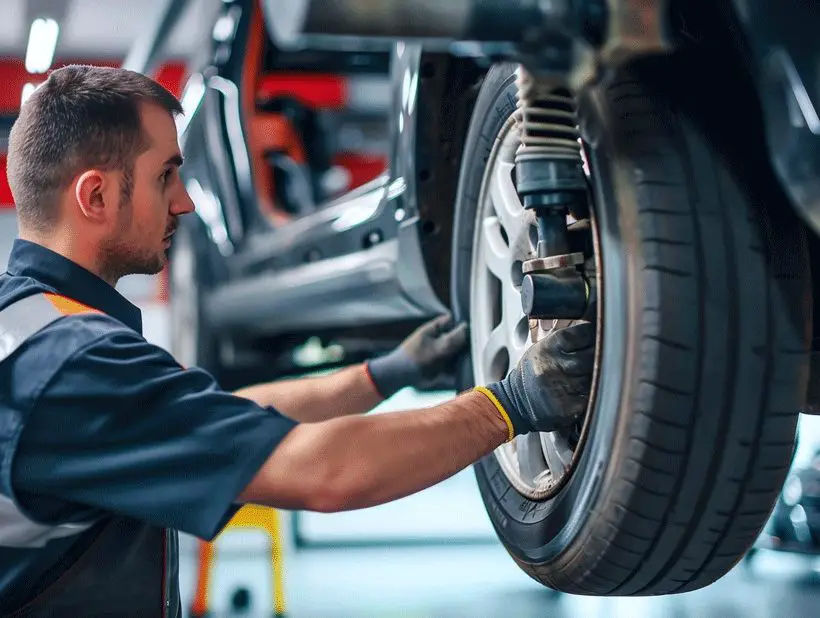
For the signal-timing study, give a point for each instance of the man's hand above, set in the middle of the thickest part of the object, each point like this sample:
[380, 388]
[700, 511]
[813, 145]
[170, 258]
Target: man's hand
[549, 388]
[425, 355]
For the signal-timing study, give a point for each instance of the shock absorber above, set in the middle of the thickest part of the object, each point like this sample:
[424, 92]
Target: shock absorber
[550, 180]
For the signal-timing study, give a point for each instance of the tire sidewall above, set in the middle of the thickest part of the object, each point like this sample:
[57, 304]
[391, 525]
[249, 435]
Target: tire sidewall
[533, 531]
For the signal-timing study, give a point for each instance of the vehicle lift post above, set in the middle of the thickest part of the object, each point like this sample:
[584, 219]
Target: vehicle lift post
[250, 517]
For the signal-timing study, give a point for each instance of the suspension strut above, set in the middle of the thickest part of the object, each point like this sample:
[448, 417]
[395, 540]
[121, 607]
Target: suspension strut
[550, 180]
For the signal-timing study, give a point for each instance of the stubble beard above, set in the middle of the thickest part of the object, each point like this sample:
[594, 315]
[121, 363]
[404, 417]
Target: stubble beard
[122, 258]
[122, 255]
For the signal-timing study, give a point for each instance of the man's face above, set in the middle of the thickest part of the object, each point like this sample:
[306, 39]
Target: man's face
[147, 220]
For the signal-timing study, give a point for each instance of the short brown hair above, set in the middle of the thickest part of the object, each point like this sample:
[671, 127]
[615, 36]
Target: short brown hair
[81, 117]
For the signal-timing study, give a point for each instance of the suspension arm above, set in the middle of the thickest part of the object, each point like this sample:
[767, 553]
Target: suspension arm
[488, 20]
[573, 39]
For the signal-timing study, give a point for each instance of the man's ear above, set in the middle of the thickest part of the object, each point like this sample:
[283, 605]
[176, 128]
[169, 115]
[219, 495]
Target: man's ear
[90, 192]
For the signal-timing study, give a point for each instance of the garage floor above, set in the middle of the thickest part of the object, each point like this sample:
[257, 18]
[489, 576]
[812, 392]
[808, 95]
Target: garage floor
[478, 582]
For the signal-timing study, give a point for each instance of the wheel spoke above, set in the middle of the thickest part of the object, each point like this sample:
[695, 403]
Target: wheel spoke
[495, 253]
[513, 314]
[557, 453]
[531, 463]
[506, 202]
[492, 350]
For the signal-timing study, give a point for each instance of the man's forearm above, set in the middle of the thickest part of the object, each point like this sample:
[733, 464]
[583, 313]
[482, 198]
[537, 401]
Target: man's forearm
[359, 462]
[308, 400]
[399, 462]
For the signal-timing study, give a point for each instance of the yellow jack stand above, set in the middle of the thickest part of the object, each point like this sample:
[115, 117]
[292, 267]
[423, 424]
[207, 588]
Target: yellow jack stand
[248, 517]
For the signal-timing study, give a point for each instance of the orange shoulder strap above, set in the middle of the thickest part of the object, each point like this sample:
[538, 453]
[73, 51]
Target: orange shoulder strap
[69, 306]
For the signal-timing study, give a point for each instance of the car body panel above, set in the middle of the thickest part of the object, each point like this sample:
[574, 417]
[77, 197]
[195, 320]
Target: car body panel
[355, 261]
[780, 40]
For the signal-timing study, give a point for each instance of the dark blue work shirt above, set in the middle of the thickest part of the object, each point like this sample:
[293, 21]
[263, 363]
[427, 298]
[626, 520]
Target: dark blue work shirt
[97, 422]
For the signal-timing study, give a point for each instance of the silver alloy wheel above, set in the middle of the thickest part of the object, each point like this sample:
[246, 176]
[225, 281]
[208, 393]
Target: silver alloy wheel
[500, 332]
[184, 300]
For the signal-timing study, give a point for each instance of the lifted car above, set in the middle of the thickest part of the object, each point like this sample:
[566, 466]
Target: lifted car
[648, 166]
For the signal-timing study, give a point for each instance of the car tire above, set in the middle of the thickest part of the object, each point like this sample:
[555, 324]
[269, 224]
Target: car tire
[704, 331]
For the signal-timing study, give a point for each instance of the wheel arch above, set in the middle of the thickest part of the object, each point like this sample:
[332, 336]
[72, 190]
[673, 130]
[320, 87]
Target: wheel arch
[812, 405]
[447, 94]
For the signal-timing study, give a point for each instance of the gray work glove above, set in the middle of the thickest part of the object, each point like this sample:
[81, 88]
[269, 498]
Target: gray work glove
[429, 352]
[549, 388]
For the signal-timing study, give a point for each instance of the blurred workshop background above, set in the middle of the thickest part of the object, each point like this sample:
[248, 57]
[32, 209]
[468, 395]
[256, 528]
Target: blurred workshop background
[432, 554]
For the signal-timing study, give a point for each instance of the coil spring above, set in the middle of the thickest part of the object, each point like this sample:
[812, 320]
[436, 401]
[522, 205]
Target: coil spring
[546, 120]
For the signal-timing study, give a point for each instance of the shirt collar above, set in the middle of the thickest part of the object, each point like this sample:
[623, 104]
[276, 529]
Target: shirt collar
[28, 259]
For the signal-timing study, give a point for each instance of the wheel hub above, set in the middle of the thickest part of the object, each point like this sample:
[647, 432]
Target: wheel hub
[506, 240]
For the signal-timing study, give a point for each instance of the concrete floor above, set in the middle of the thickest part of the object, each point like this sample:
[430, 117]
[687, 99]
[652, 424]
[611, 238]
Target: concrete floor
[446, 579]
[478, 582]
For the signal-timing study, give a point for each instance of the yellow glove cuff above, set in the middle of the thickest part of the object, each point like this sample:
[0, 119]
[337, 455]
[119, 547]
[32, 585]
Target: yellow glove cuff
[489, 394]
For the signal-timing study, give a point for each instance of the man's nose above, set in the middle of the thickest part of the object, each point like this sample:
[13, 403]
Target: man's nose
[182, 204]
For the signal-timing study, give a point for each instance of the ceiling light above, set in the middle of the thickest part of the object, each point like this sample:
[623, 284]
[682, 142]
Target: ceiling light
[42, 42]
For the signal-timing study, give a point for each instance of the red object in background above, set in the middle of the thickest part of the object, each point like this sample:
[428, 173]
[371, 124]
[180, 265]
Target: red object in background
[13, 76]
[362, 168]
[315, 90]
[172, 76]
[325, 92]
[6, 201]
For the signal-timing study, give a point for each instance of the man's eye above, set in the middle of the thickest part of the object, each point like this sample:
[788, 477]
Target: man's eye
[165, 176]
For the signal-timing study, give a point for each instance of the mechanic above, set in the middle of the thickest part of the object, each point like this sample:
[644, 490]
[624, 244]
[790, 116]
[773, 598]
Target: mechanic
[109, 447]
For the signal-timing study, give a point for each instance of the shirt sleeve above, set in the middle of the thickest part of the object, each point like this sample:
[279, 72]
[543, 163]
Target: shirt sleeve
[123, 429]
